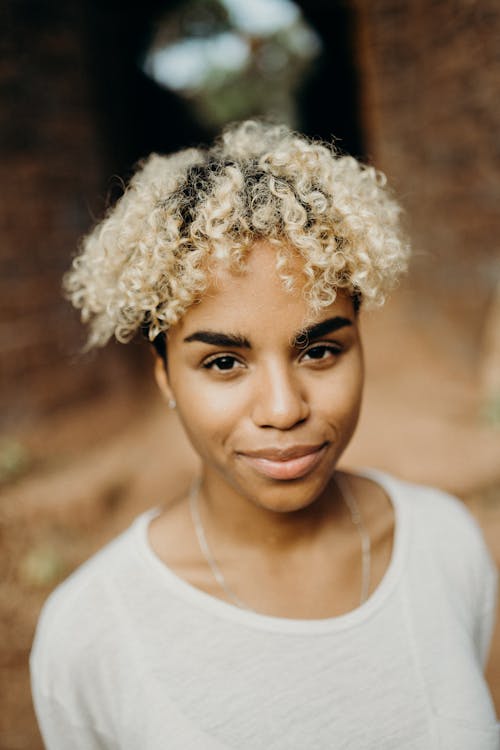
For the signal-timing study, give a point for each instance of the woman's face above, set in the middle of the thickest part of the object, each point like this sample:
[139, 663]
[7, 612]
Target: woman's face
[268, 407]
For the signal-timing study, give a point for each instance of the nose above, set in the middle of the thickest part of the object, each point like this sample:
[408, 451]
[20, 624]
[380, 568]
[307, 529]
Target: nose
[279, 399]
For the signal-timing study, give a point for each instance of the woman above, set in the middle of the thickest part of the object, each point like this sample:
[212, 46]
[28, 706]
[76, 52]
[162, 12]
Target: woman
[282, 603]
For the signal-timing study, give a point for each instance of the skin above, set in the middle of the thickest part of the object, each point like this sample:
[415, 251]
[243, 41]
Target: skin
[270, 415]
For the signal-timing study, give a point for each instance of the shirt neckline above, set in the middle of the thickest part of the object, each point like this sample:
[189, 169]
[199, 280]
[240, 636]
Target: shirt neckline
[224, 610]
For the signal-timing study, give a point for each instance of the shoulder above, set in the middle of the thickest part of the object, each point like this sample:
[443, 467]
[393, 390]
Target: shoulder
[429, 506]
[447, 556]
[80, 617]
[443, 532]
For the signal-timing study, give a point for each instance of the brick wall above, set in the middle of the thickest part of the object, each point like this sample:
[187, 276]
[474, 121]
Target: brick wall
[431, 108]
[430, 80]
[53, 179]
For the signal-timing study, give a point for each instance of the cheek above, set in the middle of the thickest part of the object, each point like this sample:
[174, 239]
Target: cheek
[211, 416]
[340, 400]
[354, 387]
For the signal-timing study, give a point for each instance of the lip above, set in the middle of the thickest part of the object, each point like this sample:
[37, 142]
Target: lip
[285, 463]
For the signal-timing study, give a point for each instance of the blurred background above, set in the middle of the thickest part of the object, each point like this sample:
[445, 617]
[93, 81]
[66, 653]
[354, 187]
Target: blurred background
[87, 89]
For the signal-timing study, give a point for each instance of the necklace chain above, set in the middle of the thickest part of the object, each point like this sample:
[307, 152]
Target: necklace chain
[352, 506]
[348, 497]
[202, 541]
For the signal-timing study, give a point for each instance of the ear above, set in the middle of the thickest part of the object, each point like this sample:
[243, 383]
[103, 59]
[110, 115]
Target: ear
[161, 378]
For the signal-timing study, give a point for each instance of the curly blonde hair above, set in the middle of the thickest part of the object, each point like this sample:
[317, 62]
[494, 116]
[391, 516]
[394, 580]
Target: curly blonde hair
[149, 259]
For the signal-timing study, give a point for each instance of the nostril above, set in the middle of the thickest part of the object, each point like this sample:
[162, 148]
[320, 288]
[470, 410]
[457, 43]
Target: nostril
[281, 408]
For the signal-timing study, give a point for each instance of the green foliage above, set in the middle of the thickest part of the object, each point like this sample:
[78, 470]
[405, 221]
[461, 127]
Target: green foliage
[43, 565]
[490, 411]
[228, 63]
[14, 460]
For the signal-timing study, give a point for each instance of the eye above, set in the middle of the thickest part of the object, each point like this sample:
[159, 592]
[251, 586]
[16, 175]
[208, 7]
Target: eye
[224, 363]
[321, 353]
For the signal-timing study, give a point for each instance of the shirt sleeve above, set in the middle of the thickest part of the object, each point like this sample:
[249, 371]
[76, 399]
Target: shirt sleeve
[64, 694]
[467, 565]
[60, 728]
[488, 607]
[59, 732]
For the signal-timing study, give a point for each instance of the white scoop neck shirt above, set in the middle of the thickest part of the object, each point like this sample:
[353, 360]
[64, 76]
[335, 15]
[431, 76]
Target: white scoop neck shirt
[284, 624]
[127, 654]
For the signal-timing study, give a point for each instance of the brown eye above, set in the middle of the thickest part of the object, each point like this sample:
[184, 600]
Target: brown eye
[321, 352]
[222, 364]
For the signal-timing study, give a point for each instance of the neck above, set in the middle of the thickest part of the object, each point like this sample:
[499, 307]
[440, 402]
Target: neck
[239, 520]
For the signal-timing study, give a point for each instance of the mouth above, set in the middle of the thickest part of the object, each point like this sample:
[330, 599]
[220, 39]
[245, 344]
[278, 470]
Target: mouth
[290, 463]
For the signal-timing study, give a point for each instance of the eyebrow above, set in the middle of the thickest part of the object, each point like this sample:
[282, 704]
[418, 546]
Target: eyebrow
[214, 338]
[237, 341]
[318, 330]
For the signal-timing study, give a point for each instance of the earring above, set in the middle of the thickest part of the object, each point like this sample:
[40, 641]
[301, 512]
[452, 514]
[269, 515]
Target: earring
[172, 403]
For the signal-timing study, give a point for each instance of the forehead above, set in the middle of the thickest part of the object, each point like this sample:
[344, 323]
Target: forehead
[260, 278]
[257, 298]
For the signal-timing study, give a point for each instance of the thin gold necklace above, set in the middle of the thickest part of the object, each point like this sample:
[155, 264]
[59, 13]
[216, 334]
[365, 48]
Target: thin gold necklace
[352, 506]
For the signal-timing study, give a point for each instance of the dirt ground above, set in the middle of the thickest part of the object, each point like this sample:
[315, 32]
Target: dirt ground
[91, 471]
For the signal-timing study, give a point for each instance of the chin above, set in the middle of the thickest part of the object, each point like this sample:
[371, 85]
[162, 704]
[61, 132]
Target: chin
[287, 496]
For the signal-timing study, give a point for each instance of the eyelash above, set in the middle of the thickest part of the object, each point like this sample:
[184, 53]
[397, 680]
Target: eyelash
[334, 349]
[210, 364]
